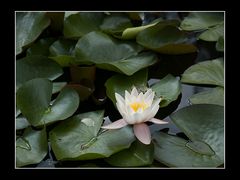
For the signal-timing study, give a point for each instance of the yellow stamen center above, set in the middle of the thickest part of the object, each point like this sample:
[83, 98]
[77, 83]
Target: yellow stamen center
[136, 105]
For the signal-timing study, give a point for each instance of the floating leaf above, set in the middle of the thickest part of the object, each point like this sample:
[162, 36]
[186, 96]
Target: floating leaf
[31, 148]
[213, 34]
[98, 47]
[33, 99]
[207, 72]
[120, 83]
[165, 38]
[29, 25]
[79, 24]
[177, 152]
[32, 67]
[212, 96]
[137, 155]
[201, 20]
[83, 90]
[204, 126]
[220, 44]
[58, 86]
[75, 140]
[41, 47]
[115, 23]
[168, 89]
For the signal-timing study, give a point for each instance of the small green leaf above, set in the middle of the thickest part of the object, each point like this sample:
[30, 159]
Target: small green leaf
[168, 89]
[79, 138]
[31, 148]
[213, 34]
[32, 67]
[207, 72]
[79, 24]
[120, 83]
[165, 38]
[29, 25]
[137, 155]
[201, 20]
[212, 96]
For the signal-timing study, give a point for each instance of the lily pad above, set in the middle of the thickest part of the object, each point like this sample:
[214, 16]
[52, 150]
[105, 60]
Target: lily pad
[31, 148]
[212, 96]
[58, 86]
[41, 47]
[165, 38]
[203, 124]
[78, 24]
[115, 23]
[207, 72]
[79, 138]
[213, 34]
[29, 25]
[201, 20]
[168, 89]
[37, 66]
[174, 151]
[137, 155]
[120, 83]
[33, 99]
[97, 47]
[21, 122]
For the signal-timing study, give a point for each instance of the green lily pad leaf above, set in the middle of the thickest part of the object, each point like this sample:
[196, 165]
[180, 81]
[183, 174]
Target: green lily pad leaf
[32, 67]
[77, 25]
[21, 122]
[31, 148]
[220, 44]
[166, 39]
[168, 89]
[58, 86]
[29, 25]
[62, 52]
[174, 151]
[131, 33]
[212, 96]
[205, 123]
[115, 23]
[131, 65]
[98, 47]
[41, 47]
[201, 20]
[33, 99]
[78, 138]
[63, 107]
[137, 155]
[120, 83]
[207, 72]
[213, 34]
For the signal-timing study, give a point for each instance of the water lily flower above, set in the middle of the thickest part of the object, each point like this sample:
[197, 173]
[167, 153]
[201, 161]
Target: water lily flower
[136, 109]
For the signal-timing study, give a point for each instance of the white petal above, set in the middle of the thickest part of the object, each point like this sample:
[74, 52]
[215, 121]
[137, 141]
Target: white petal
[134, 92]
[119, 98]
[127, 97]
[149, 91]
[149, 99]
[121, 108]
[116, 125]
[140, 97]
[142, 132]
[154, 110]
[157, 121]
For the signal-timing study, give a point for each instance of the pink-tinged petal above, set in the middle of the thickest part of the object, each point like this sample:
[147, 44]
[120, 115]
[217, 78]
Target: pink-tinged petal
[157, 121]
[134, 92]
[116, 125]
[142, 132]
